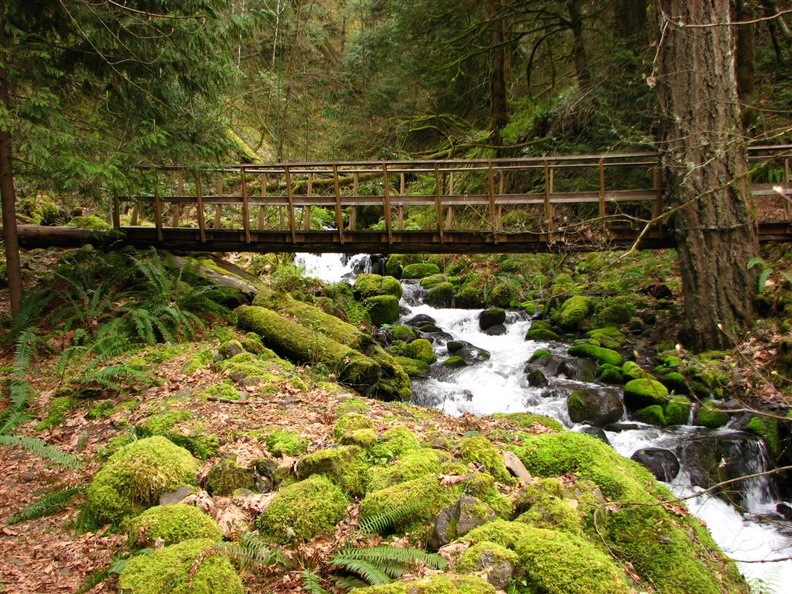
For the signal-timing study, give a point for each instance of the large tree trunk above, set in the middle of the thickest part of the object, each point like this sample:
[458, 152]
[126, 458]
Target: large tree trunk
[499, 109]
[7, 193]
[706, 171]
[579, 56]
[744, 58]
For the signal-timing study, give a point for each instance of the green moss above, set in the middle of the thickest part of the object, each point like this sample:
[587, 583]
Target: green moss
[89, 222]
[616, 313]
[481, 451]
[542, 331]
[539, 354]
[420, 270]
[344, 466]
[352, 404]
[382, 309]
[530, 421]
[421, 349]
[483, 486]
[436, 584]
[405, 333]
[413, 367]
[652, 415]
[675, 382]
[469, 296]
[56, 412]
[429, 282]
[412, 465]
[200, 360]
[677, 412]
[608, 337]
[135, 477]
[172, 524]
[161, 423]
[365, 438]
[643, 392]
[173, 570]
[395, 441]
[373, 285]
[425, 498]
[286, 443]
[351, 422]
[303, 510]
[223, 390]
[441, 295]
[454, 361]
[573, 312]
[766, 428]
[632, 370]
[596, 353]
[707, 415]
[227, 476]
[191, 437]
[610, 374]
[561, 563]
[484, 557]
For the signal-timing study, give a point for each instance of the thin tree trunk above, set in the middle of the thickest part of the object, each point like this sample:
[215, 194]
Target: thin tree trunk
[7, 193]
[706, 170]
[579, 56]
[499, 110]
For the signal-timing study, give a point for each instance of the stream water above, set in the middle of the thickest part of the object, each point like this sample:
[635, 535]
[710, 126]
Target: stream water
[758, 539]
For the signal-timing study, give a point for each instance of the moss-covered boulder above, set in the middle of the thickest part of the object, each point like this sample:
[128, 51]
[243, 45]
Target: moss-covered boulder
[492, 317]
[421, 349]
[373, 285]
[285, 443]
[382, 309]
[344, 466]
[651, 415]
[608, 337]
[445, 583]
[600, 354]
[226, 476]
[542, 331]
[349, 422]
[574, 312]
[365, 438]
[677, 411]
[403, 333]
[411, 465]
[643, 392]
[459, 519]
[420, 270]
[441, 295]
[303, 510]
[173, 570]
[413, 367]
[428, 282]
[495, 562]
[481, 451]
[172, 524]
[395, 441]
[545, 504]
[595, 406]
[469, 296]
[708, 415]
[136, 475]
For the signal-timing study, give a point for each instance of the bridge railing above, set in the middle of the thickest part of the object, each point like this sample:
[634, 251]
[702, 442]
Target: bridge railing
[496, 196]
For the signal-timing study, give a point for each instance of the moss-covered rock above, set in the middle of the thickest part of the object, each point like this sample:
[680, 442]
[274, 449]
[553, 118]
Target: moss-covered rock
[286, 443]
[651, 415]
[411, 465]
[469, 296]
[495, 562]
[481, 451]
[373, 285]
[136, 475]
[595, 406]
[365, 438]
[708, 415]
[303, 510]
[395, 441]
[428, 282]
[172, 524]
[445, 583]
[421, 349]
[351, 422]
[632, 370]
[573, 312]
[89, 222]
[413, 367]
[226, 476]
[643, 392]
[544, 505]
[382, 309]
[420, 270]
[344, 466]
[766, 428]
[403, 333]
[608, 337]
[441, 295]
[677, 411]
[610, 374]
[596, 353]
[675, 382]
[542, 331]
[169, 570]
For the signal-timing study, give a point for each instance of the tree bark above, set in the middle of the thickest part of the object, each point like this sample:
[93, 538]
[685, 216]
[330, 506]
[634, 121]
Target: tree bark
[7, 193]
[745, 62]
[499, 110]
[706, 170]
[579, 56]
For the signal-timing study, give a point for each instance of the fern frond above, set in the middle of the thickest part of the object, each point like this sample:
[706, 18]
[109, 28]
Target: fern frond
[350, 582]
[310, 582]
[110, 376]
[46, 506]
[388, 519]
[401, 556]
[41, 449]
[249, 553]
[20, 395]
[12, 420]
[372, 574]
[24, 351]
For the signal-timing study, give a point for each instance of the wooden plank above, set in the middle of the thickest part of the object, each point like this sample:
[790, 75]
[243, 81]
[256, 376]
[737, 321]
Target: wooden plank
[548, 209]
[262, 209]
[438, 203]
[157, 212]
[602, 188]
[116, 213]
[245, 207]
[176, 208]
[353, 210]
[492, 209]
[339, 216]
[290, 196]
[386, 204]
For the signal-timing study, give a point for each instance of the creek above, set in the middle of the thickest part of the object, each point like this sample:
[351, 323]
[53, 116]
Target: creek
[758, 538]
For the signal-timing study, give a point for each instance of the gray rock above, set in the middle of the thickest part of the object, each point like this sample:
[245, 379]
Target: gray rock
[595, 406]
[663, 464]
[177, 496]
[459, 519]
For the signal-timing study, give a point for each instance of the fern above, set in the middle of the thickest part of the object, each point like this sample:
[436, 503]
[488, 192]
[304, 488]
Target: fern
[250, 552]
[387, 558]
[46, 506]
[24, 352]
[310, 582]
[41, 449]
[369, 571]
[381, 522]
[11, 419]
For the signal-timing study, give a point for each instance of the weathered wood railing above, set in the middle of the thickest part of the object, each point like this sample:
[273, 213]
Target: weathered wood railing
[455, 205]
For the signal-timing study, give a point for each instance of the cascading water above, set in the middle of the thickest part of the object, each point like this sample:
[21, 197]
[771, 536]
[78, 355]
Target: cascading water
[498, 384]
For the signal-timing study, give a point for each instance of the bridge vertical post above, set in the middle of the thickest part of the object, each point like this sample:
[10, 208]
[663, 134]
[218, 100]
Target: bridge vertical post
[353, 210]
[116, 213]
[602, 187]
[218, 206]
[176, 209]
[786, 181]
[386, 203]
[657, 208]
[548, 207]
[262, 209]
[306, 222]
[438, 205]
[245, 206]
[492, 207]
[199, 199]
[157, 210]
[449, 222]
[290, 196]
[338, 214]
[400, 215]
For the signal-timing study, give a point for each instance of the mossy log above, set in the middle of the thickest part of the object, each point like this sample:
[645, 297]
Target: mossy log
[303, 344]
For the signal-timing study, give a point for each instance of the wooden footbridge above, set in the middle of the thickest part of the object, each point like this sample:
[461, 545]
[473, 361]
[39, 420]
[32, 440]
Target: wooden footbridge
[580, 203]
